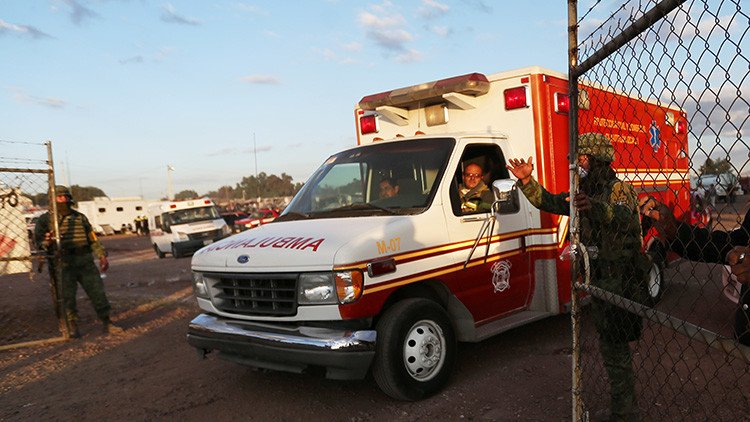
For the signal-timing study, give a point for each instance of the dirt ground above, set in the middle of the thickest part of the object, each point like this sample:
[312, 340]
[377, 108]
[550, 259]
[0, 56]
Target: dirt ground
[151, 373]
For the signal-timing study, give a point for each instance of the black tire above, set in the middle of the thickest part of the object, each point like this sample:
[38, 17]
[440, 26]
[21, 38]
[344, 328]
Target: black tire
[656, 283]
[175, 252]
[159, 253]
[416, 350]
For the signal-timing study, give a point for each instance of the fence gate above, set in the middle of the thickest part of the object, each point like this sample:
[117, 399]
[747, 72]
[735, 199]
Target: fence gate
[29, 302]
[689, 61]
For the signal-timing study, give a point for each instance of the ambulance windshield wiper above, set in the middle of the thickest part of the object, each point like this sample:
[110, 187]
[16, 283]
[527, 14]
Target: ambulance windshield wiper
[292, 216]
[366, 206]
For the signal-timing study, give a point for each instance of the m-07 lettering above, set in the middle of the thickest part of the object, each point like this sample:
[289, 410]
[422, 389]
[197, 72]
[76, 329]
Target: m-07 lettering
[393, 245]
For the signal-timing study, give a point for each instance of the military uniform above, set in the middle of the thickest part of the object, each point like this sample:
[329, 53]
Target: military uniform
[478, 199]
[612, 225]
[700, 244]
[77, 243]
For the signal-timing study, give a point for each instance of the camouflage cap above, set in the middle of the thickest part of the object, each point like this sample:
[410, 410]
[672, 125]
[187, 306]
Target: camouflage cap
[63, 190]
[597, 146]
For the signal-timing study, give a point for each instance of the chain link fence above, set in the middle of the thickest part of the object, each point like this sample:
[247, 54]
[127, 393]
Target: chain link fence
[29, 310]
[667, 336]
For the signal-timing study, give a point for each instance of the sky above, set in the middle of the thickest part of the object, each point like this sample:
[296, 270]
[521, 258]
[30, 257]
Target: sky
[223, 89]
[123, 89]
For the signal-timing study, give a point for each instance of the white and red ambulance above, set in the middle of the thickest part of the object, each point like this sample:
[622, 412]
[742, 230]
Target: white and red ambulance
[183, 227]
[349, 281]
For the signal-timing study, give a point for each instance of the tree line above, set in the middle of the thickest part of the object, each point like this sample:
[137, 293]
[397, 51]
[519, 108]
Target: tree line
[263, 186]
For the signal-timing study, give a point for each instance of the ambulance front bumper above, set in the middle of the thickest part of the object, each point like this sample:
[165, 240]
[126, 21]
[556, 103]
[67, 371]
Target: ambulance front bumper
[344, 354]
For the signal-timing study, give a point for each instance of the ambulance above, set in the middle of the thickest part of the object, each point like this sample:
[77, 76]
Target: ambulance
[352, 282]
[182, 227]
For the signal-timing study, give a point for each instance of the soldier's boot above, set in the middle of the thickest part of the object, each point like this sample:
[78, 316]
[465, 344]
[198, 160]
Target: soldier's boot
[73, 329]
[108, 327]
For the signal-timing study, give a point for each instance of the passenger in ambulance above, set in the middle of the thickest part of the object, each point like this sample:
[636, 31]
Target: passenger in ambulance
[475, 195]
[388, 188]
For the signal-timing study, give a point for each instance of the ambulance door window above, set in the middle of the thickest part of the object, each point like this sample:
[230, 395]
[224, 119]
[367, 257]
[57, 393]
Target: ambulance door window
[471, 193]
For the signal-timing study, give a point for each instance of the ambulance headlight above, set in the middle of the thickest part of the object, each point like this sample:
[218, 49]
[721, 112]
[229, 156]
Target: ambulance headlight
[330, 288]
[200, 289]
[316, 289]
[182, 236]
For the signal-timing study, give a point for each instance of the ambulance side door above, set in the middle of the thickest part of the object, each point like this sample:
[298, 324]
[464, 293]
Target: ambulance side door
[501, 284]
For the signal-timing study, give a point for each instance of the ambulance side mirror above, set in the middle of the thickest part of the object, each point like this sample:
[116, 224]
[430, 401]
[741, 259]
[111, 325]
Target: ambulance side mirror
[506, 197]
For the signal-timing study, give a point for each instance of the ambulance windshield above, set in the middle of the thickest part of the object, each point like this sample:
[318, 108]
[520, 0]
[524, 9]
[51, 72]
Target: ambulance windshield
[192, 215]
[380, 179]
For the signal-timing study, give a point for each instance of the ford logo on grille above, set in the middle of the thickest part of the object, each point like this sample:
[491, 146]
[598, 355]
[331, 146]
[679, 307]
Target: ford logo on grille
[242, 259]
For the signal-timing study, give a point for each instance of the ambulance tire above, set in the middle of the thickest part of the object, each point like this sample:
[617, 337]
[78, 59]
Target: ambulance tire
[175, 252]
[416, 350]
[159, 253]
[656, 281]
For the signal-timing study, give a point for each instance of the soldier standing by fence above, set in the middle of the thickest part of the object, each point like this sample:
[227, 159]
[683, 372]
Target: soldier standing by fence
[610, 222]
[77, 242]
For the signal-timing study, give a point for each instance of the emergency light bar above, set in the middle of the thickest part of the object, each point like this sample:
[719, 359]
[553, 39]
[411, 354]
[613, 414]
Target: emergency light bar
[474, 84]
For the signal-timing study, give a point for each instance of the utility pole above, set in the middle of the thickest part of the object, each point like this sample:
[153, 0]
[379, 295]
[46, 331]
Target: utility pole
[170, 193]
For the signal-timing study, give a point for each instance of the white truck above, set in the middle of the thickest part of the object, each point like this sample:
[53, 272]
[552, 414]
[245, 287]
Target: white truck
[116, 215]
[349, 281]
[183, 227]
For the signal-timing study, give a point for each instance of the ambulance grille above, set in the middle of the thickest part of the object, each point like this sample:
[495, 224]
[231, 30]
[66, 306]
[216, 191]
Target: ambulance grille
[256, 294]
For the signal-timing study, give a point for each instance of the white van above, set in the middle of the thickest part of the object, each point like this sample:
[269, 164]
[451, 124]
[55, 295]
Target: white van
[183, 227]
[724, 186]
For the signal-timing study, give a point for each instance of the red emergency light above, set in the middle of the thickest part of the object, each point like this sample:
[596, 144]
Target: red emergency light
[206, 201]
[515, 98]
[368, 124]
[562, 103]
[172, 205]
[680, 127]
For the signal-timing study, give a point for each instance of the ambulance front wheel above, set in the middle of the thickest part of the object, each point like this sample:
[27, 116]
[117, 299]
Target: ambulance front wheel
[416, 350]
[159, 253]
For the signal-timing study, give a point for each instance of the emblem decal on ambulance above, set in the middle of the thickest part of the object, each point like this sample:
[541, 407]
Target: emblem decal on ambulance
[501, 276]
[654, 136]
[243, 259]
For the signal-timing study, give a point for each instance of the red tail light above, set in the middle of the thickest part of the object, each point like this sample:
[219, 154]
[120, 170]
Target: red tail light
[680, 127]
[562, 103]
[368, 124]
[515, 98]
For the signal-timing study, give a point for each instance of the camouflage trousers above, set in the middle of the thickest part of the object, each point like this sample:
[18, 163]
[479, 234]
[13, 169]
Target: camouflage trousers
[80, 269]
[619, 364]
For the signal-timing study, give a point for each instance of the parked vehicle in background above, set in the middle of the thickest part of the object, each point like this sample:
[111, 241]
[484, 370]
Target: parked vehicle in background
[724, 187]
[263, 216]
[116, 215]
[183, 227]
[231, 219]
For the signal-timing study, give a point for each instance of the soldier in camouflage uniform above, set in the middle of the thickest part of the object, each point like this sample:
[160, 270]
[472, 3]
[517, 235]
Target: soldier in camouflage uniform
[77, 242]
[609, 221]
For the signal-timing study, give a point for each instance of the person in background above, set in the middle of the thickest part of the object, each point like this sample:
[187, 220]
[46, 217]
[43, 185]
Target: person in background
[388, 188]
[77, 242]
[474, 193]
[609, 220]
[703, 245]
